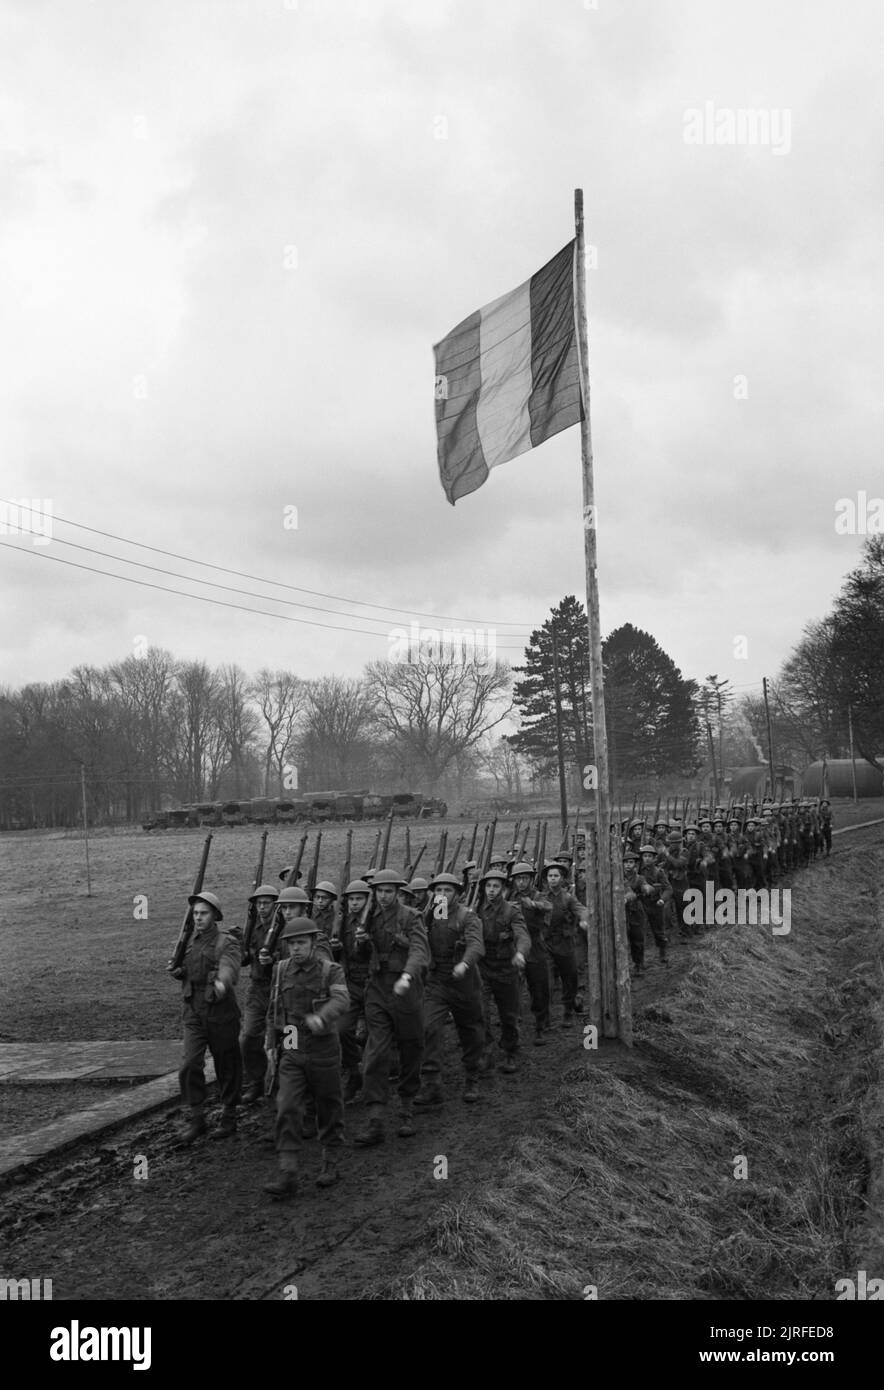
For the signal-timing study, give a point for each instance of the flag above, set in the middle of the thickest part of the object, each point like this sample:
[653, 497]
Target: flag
[507, 377]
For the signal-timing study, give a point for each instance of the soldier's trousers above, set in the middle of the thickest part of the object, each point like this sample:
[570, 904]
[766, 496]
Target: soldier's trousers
[564, 964]
[392, 1018]
[827, 836]
[537, 977]
[351, 1050]
[314, 1073]
[635, 931]
[216, 1027]
[251, 1038]
[501, 983]
[654, 913]
[462, 999]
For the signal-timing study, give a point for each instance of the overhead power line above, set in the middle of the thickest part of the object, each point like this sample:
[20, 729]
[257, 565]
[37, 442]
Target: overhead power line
[277, 583]
[204, 598]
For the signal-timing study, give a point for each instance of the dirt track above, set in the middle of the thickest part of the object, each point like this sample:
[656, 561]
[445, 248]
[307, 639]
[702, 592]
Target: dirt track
[198, 1226]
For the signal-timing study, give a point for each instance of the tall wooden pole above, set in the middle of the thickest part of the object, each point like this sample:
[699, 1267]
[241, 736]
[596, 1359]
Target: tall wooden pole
[563, 793]
[769, 738]
[852, 754]
[86, 830]
[616, 1000]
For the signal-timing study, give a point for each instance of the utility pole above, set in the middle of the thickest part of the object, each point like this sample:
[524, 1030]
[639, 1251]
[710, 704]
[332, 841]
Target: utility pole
[86, 830]
[563, 792]
[769, 736]
[852, 754]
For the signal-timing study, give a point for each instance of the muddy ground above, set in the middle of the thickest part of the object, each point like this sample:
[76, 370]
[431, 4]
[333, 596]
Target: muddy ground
[197, 1225]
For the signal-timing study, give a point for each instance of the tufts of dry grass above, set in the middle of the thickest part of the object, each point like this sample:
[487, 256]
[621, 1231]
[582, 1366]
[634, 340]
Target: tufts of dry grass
[765, 1051]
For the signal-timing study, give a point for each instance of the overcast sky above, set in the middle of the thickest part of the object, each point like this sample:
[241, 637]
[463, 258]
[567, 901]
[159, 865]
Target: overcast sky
[231, 232]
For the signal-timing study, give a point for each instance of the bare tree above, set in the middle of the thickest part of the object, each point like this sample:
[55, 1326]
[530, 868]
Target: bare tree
[336, 741]
[280, 696]
[435, 710]
[238, 723]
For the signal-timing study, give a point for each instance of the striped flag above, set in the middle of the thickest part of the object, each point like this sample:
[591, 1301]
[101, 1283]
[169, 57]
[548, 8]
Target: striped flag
[507, 377]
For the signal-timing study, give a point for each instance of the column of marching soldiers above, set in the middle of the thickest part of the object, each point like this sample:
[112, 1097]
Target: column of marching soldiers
[350, 990]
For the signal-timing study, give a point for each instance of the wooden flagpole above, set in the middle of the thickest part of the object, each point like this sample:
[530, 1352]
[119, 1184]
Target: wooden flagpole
[613, 956]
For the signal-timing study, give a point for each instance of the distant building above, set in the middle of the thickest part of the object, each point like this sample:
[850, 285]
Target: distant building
[839, 778]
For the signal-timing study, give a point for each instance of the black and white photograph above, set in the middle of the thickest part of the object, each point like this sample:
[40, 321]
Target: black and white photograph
[442, 670]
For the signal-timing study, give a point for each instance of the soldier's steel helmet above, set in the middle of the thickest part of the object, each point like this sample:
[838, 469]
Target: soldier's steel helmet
[264, 890]
[447, 880]
[495, 873]
[302, 926]
[287, 870]
[292, 895]
[648, 849]
[419, 885]
[630, 856]
[357, 885]
[209, 898]
[326, 887]
[522, 868]
[553, 864]
[388, 878]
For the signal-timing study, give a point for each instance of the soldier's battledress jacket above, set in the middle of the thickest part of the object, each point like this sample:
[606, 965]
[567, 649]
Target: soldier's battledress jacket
[213, 955]
[504, 932]
[453, 939]
[397, 943]
[298, 989]
[565, 920]
[536, 911]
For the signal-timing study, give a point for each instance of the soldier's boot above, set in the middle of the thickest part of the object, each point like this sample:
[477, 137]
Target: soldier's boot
[471, 1090]
[195, 1127]
[227, 1125]
[578, 1002]
[328, 1174]
[353, 1087]
[406, 1128]
[508, 1064]
[430, 1093]
[372, 1132]
[539, 1038]
[253, 1092]
[485, 1065]
[285, 1184]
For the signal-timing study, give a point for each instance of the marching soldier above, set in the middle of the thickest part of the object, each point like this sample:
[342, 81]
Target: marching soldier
[394, 942]
[294, 903]
[323, 911]
[251, 1039]
[536, 912]
[675, 866]
[567, 918]
[826, 825]
[307, 994]
[453, 986]
[211, 1016]
[634, 886]
[507, 945]
[655, 894]
[357, 896]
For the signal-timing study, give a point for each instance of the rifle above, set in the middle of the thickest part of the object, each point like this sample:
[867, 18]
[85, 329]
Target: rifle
[411, 869]
[539, 866]
[472, 849]
[454, 858]
[524, 840]
[186, 931]
[467, 886]
[657, 813]
[276, 921]
[407, 865]
[341, 922]
[536, 844]
[386, 849]
[490, 849]
[377, 845]
[252, 910]
[440, 857]
[514, 846]
[273, 1061]
[314, 867]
